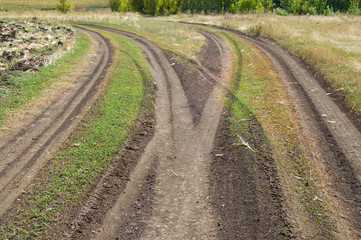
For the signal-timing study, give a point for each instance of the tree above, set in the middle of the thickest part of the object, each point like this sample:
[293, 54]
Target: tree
[354, 7]
[137, 5]
[64, 6]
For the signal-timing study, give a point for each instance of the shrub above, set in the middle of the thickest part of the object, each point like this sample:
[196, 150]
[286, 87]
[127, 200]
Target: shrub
[114, 5]
[311, 11]
[267, 5]
[245, 6]
[281, 11]
[354, 7]
[119, 5]
[328, 11]
[64, 6]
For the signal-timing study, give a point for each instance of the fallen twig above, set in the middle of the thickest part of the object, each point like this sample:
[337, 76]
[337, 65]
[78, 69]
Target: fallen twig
[244, 143]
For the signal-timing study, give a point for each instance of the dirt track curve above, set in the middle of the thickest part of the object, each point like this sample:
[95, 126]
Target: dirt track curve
[184, 185]
[168, 195]
[24, 152]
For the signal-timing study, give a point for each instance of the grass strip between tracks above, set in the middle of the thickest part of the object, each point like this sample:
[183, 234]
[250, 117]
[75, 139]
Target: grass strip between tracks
[26, 86]
[260, 98]
[85, 156]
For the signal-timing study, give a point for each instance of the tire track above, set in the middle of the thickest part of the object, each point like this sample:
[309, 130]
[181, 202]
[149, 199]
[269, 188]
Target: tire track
[344, 132]
[24, 154]
[338, 139]
[178, 155]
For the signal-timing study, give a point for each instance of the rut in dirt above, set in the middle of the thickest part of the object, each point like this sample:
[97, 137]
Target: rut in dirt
[169, 193]
[329, 121]
[24, 152]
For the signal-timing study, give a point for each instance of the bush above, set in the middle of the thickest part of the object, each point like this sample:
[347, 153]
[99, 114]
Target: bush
[114, 5]
[328, 11]
[267, 5]
[354, 7]
[119, 5]
[245, 6]
[281, 11]
[311, 11]
[65, 6]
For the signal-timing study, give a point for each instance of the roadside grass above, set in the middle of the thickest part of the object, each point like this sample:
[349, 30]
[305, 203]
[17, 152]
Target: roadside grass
[178, 38]
[331, 45]
[260, 97]
[75, 169]
[11, 5]
[26, 86]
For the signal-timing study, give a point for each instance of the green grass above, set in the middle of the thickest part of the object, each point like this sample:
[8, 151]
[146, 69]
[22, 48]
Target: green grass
[75, 169]
[26, 86]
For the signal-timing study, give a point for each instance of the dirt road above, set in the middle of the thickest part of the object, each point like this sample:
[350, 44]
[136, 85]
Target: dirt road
[190, 181]
[24, 152]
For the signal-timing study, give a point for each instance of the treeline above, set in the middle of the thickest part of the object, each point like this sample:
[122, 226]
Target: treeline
[283, 7]
[149, 7]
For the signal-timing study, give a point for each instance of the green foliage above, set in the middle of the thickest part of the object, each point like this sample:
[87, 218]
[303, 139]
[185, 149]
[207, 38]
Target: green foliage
[283, 7]
[281, 11]
[148, 7]
[245, 6]
[267, 5]
[354, 7]
[119, 5]
[65, 6]
[319, 5]
[310, 7]
[312, 11]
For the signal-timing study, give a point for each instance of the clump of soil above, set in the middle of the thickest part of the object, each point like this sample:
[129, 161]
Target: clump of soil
[26, 45]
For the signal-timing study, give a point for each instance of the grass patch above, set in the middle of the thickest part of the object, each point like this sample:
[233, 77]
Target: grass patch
[74, 170]
[26, 86]
[259, 100]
